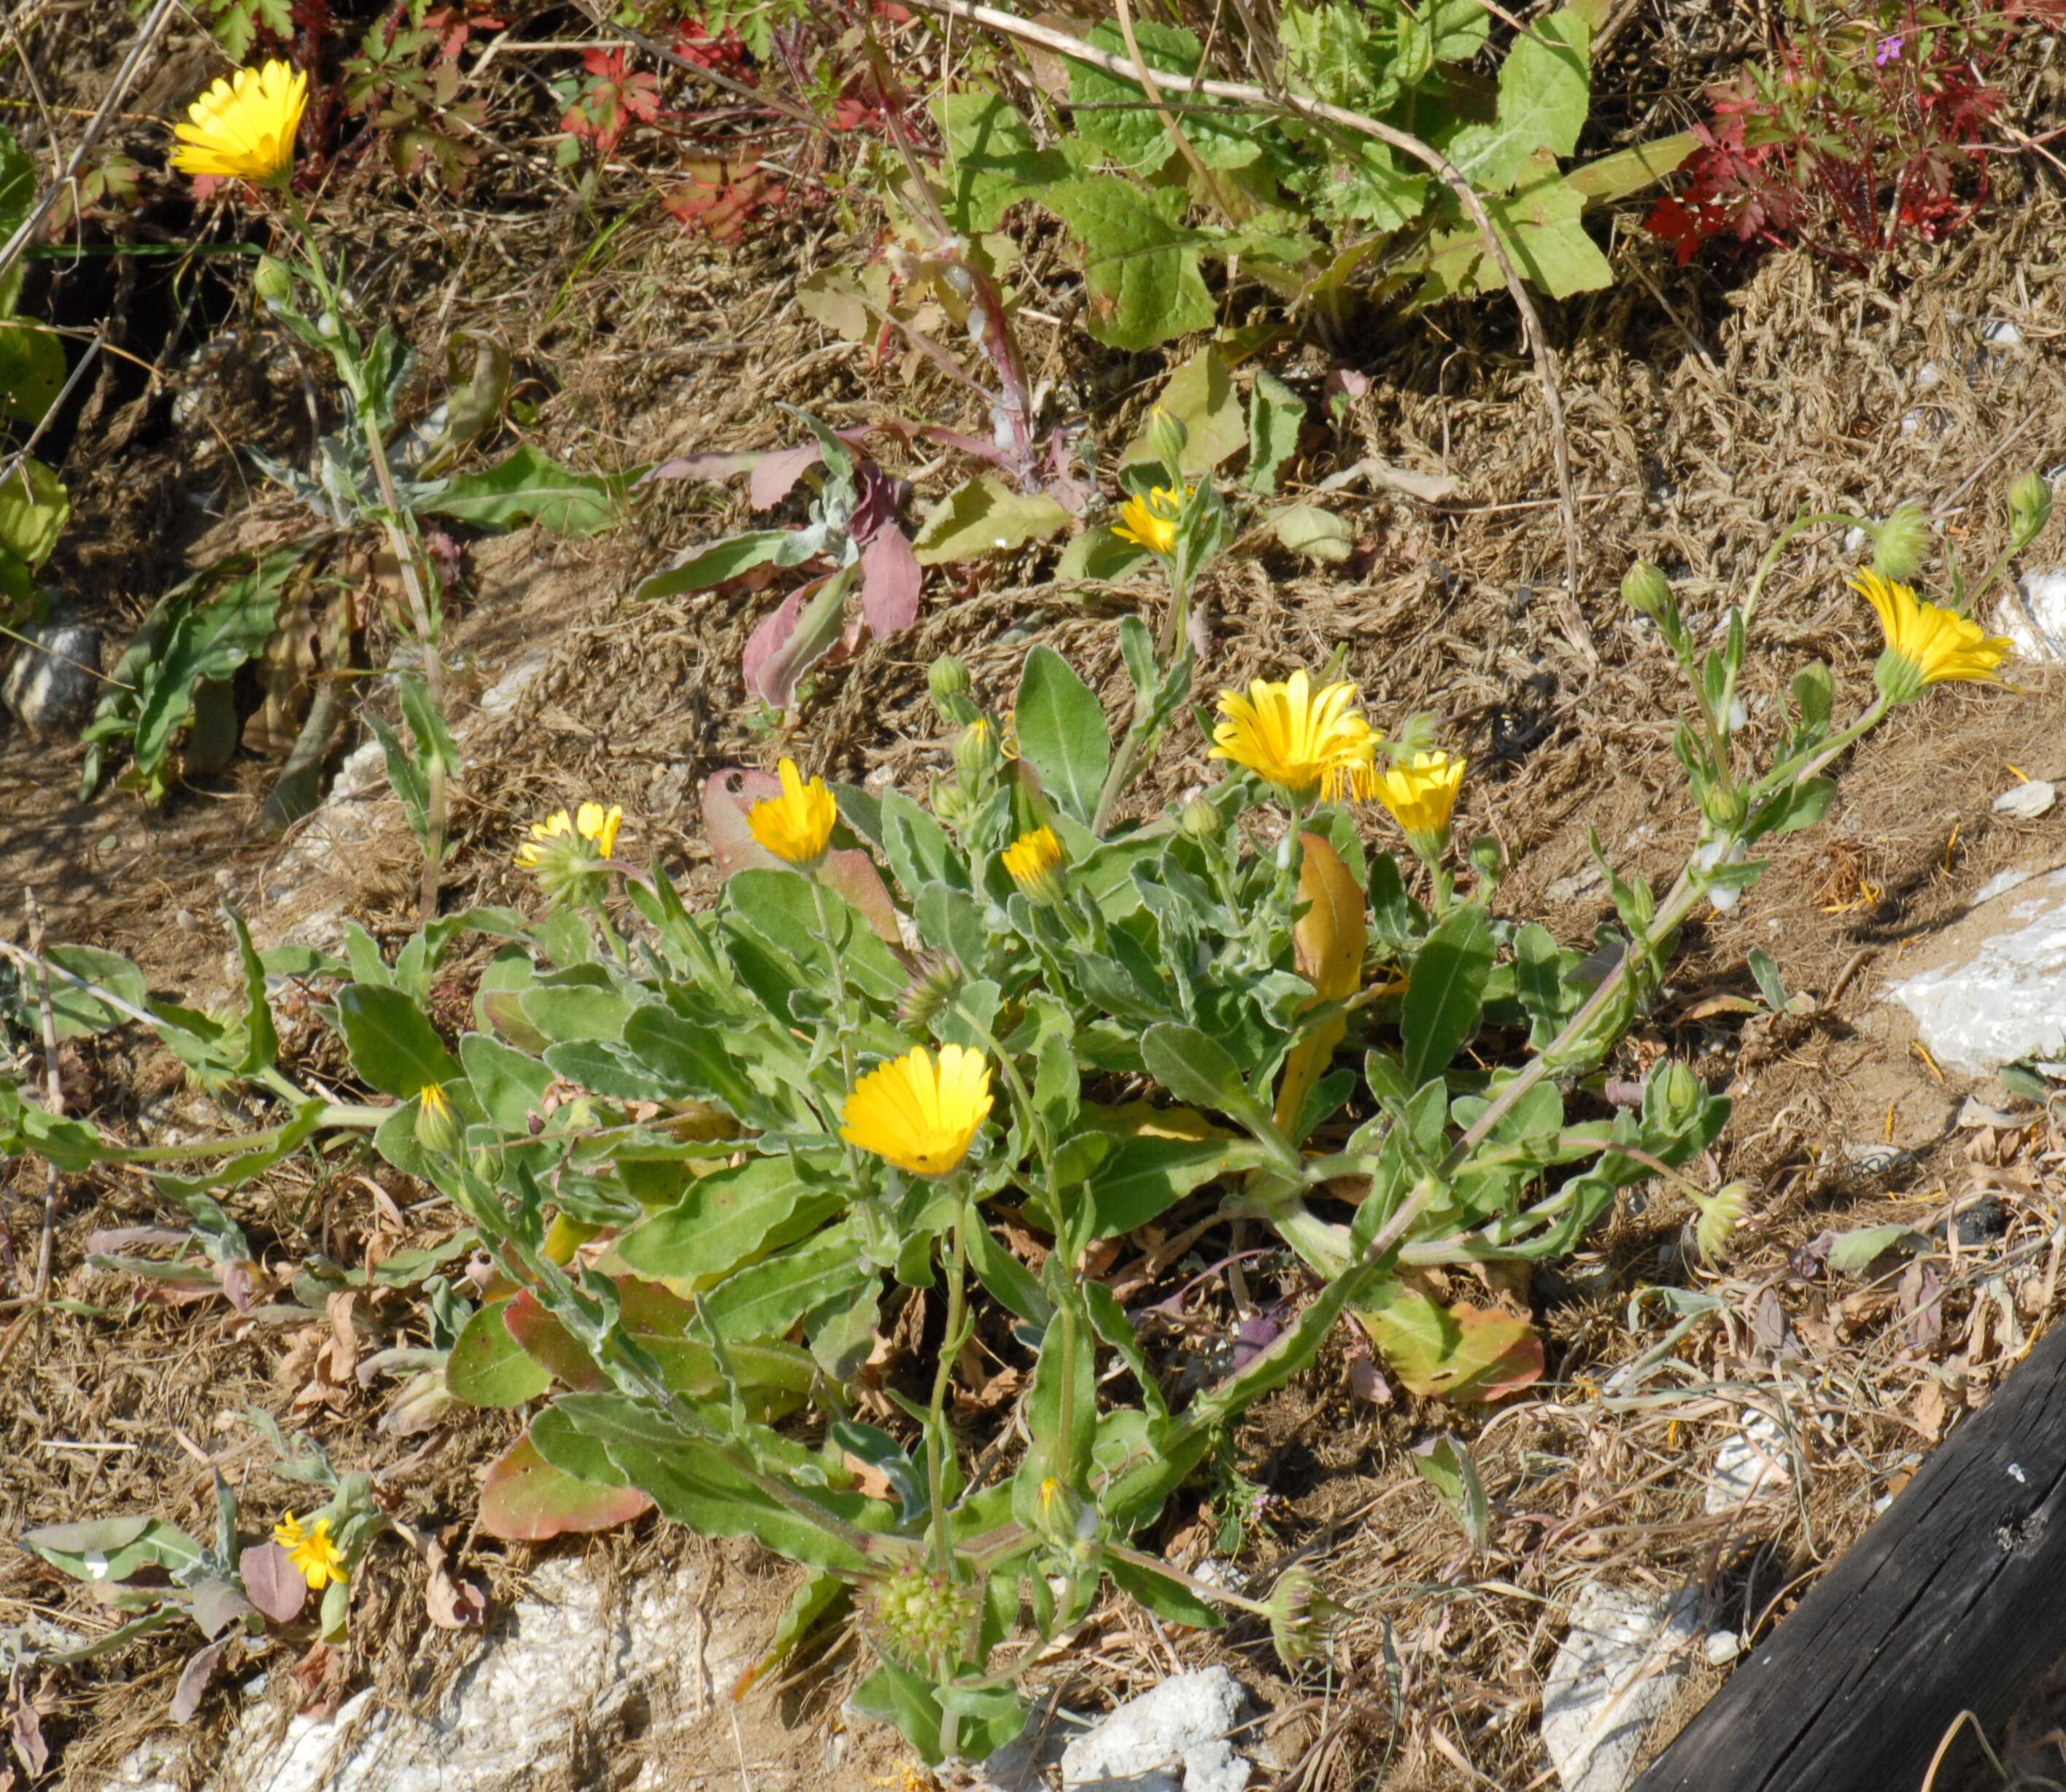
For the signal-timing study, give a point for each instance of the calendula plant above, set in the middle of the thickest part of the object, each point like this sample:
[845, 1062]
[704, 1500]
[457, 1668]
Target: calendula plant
[950, 1052]
[370, 476]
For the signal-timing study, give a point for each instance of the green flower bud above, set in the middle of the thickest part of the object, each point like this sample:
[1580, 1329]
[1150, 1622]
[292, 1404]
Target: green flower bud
[948, 681]
[2030, 507]
[936, 982]
[949, 805]
[1900, 543]
[1677, 1093]
[1200, 819]
[1721, 1214]
[975, 751]
[1302, 1619]
[927, 1617]
[1487, 859]
[1646, 590]
[437, 1127]
[1165, 438]
[273, 285]
[1726, 807]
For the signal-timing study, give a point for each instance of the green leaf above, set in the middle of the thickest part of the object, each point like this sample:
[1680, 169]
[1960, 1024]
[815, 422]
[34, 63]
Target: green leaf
[1061, 1413]
[1540, 228]
[32, 372]
[1445, 1464]
[1062, 733]
[393, 1046]
[72, 1009]
[990, 160]
[1444, 994]
[508, 1084]
[1154, 1157]
[1169, 1600]
[983, 516]
[1276, 414]
[1200, 396]
[1853, 1251]
[722, 1220]
[531, 486]
[1141, 262]
[1545, 94]
[526, 1499]
[1097, 553]
[765, 1299]
[1316, 533]
[1110, 109]
[34, 508]
[1629, 171]
[261, 1043]
[1458, 1352]
[487, 1367]
[107, 1551]
[700, 570]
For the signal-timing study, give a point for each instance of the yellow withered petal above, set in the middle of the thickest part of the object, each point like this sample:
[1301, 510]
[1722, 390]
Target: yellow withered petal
[243, 128]
[918, 1112]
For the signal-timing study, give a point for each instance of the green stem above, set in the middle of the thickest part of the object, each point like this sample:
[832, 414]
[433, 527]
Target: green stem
[333, 1113]
[943, 1374]
[832, 951]
[1203, 1589]
[1765, 566]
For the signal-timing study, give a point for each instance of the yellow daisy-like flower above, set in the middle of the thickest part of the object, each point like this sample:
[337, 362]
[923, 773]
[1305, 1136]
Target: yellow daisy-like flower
[591, 823]
[797, 825]
[243, 128]
[1421, 794]
[1926, 645]
[315, 1557]
[1299, 740]
[918, 1112]
[1035, 862]
[1151, 522]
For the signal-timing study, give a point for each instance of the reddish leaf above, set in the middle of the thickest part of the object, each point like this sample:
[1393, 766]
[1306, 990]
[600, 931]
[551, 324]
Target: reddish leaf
[729, 795]
[193, 1680]
[1452, 1353]
[551, 1345]
[272, 1583]
[525, 1499]
[891, 580]
[776, 475]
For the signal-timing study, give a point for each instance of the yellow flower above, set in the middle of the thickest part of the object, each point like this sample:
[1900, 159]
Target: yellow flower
[243, 129]
[797, 825]
[1035, 862]
[437, 1128]
[317, 1559]
[1926, 645]
[919, 1113]
[1299, 741]
[1151, 522]
[592, 823]
[1421, 794]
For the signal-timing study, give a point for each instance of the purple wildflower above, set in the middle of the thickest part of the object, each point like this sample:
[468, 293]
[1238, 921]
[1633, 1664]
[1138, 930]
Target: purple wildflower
[1889, 51]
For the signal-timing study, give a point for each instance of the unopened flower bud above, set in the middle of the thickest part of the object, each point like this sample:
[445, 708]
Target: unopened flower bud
[927, 1617]
[1646, 590]
[1726, 806]
[437, 1128]
[2030, 507]
[975, 750]
[948, 680]
[949, 804]
[1165, 438]
[936, 983]
[1679, 1093]
[1487, 859]
[1200, 819]
[273, 284]
[1900, 543]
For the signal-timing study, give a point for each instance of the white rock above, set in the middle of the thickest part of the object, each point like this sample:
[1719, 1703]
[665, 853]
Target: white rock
[54, 681]
[502, 696]
[2033, 617]
[1757, 1463]
[1999, 991]
[2026, 802]
[2002, 335]
[1172, 1739]
[569, 1653]
[1620, 1662]
[2000, 885]
[1724, 1647]
[1928, 374]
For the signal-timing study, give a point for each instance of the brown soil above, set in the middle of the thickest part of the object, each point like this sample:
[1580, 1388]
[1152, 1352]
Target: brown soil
[1694, 435]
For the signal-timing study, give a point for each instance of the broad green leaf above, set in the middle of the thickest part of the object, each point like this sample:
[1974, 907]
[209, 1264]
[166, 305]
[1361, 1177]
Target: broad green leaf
[531, 486]
[1111, 111]
[1452, 1353]
[261, 1043]
[34, 508]
[1200, 396]
[1317, 534]
[1169, 1600]
[983, 516]
[1854, 1249]
[765, 1300]
[1444, 994]
[1631, 170]
[1141, 262]
[1097, 553]
[1061, 1413]
[1062, 733]
[1545, 94]
[1276, 414]
[720, 1224]
[990, 158]
[525, 1499]
[73, 1011]
[487, 1367]
[106, 1550]
[508, 1084]
[393, 1046]
[724, 559]
[1155, 1157]
[32, 372]
[1539, 226]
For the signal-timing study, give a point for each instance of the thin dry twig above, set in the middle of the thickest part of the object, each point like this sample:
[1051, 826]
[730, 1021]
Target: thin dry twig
[1063, 44]
[54, 1089]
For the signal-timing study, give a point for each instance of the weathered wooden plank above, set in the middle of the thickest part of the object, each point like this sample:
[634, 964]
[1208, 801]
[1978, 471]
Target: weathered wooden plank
[1953, 1600]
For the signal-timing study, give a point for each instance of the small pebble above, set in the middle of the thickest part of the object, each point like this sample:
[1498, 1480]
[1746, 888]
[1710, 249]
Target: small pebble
[2027, 802]
[1724, 1647]
[55, 680]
